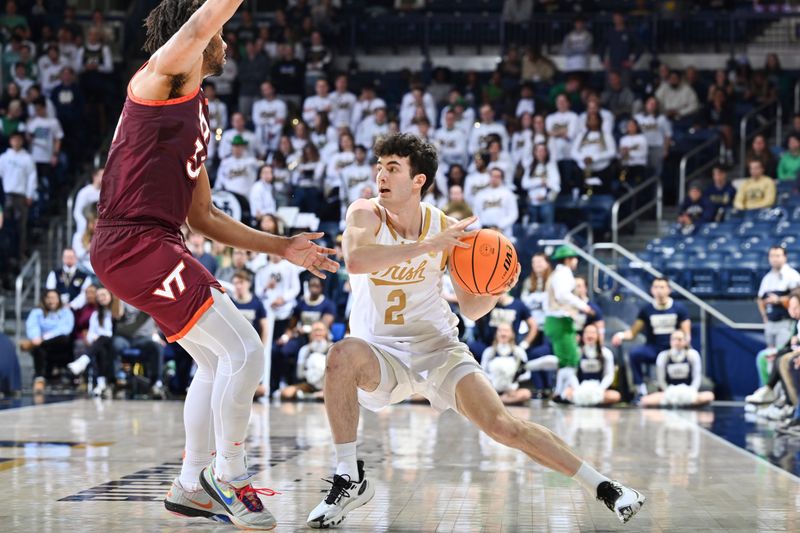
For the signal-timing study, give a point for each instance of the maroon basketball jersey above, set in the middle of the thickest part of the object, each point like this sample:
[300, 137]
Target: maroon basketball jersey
[158, 150]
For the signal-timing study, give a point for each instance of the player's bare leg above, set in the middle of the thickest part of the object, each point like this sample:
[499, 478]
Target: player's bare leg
[351, 365]
[479, 402]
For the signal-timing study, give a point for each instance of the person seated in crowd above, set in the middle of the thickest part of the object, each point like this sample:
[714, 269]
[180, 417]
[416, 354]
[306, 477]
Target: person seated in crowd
[657, 320]
[451, 141]
[562, 128]
[496, 205]
[504, 364]
[251, 307]
[719, 115]
[196, 243]
[618, 98]
[677, 98]
[69, 280]
[238, 172]
[594, 151]
[542, 183]
[479, 136]
[595, 318]
[98, 350]
[789, 164]
[657, 129]
[720, 193]
[86, 200]
[81, 244]
[311, 362]
[760, 151]
[594, 107]
[238, 262]
[313, 307]
[82, 317]
[633, 155]
[510, 310]
[477, 179]
[694, 210]
[680, 374]
[596, 372]
[136, 338]
[756, 192]
[49, 331]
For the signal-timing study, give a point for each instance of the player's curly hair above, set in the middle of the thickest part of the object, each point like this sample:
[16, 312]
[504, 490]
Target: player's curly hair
[422, 156]
[166, 19]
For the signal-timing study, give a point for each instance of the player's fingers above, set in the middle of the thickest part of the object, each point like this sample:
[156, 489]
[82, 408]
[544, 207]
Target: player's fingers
[329, 264]
[316, 272]
[313, 236]
[322, 250]
[466, 222]
[461, 244]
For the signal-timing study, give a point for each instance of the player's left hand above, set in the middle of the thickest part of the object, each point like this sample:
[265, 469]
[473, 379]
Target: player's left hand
[302, 251]
[511, 282]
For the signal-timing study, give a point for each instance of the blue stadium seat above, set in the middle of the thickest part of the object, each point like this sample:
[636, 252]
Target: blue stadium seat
[705, 280]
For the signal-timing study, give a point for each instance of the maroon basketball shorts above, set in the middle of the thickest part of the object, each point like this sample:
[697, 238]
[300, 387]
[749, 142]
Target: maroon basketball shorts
[149, 267]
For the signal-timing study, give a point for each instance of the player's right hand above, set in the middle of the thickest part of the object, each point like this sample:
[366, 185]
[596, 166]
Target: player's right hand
[451, 237]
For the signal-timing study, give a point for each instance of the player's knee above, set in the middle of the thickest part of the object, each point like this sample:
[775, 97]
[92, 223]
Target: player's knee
[346, 356]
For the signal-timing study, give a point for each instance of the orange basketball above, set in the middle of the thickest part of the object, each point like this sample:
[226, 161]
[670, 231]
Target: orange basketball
[487, 265]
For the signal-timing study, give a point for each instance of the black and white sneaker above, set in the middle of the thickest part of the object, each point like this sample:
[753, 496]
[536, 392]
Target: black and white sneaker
[343, 496]
[623, 501]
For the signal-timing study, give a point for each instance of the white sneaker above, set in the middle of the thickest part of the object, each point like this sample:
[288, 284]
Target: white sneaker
[778, 412]
[344, 496]
[761, 395]
[78, 366]
[623, 501]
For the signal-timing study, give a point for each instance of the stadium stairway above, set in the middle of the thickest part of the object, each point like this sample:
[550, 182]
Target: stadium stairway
[648, 229]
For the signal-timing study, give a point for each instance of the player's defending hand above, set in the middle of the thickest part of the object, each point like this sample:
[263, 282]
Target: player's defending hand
[450, 237]
[302, 251]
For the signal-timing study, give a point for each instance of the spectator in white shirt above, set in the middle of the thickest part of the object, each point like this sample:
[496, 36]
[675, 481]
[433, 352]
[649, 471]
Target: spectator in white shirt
[343, 158]
[18, 171]
[239, 172]
[657, 128]
[415, 99]
[476, 180]
[487, 126]
[262, 197]
[542, 184]
[677, 98]
[343, 102]
[269, 114]
[593, 106]
[633, 154]
[562, 127]
[33, 94]
[577, 47]
[320, 102]
[44, 136]
[238, 128]
[86, 200]
[323, 135]
[496, 206]
[21, 77]
[217, 118]
[365, 106]
[356, 177]
[50, 66]
[593, 151]
[451, 141]
[773, 298]
[465, 116]
[277, 285]
[526, 103]
[372, 127]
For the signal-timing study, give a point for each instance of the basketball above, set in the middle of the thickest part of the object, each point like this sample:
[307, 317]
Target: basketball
[487, 265]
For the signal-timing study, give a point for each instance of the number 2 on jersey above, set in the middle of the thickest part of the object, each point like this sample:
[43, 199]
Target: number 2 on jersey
[394, 313]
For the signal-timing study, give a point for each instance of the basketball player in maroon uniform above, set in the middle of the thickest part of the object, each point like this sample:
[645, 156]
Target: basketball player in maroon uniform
[154, 181]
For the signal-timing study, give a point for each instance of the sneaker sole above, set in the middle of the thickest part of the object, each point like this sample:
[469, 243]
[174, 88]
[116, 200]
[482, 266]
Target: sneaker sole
[332, 522]
[233, 520]
[190, 512]
[626, 513]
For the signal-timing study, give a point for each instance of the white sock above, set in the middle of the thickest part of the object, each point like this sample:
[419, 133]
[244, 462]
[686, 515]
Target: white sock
[346, 460]
[564, 379]
[101, 382]
[643, 389]
[193, 464]
[80, 364]
[230, 463]
[589, 478]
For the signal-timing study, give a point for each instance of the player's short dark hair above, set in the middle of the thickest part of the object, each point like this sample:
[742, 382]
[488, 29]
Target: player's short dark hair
[778, 247]
[665, 280]
[422, 156]
[165, 20]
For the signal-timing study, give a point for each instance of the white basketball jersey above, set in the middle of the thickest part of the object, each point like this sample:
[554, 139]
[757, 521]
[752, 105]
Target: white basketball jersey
[400, 309]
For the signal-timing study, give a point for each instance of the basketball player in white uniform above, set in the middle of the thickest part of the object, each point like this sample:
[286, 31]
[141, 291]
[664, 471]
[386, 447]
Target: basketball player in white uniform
[405, 340]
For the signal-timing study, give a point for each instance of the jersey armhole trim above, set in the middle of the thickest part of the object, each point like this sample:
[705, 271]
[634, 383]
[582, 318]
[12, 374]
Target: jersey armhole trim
[442, 227]
[158, 103]
[379, 214]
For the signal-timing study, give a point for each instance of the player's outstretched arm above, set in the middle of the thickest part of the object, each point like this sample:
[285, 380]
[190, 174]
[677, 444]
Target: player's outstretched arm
[206, 219]
[362, 255]
[182, 52]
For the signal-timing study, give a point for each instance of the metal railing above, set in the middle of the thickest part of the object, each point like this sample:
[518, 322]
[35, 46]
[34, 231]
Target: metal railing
[32, 270]
[577, 230]
[745, 137]
[684, 164]
[705, 308]
[596, 263]
[796, 98]
[2, 314]
[657, 201]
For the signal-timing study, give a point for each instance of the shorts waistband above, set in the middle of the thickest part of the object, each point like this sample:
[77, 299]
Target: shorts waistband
[123, 222]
